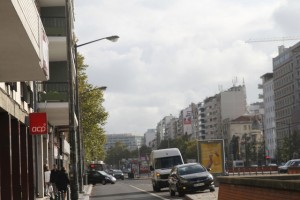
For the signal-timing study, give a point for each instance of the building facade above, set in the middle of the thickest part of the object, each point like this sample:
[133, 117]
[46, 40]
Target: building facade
[36, 58]
[228, 104]
[286, 78]
[269, 115]
[132, 142]
[149, 136]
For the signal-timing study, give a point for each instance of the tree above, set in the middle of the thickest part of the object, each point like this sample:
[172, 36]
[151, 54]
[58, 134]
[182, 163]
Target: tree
[191, 150]
[92, 115]
[116, 153]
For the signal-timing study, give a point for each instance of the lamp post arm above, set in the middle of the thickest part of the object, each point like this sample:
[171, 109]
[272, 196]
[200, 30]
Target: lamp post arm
[110, 38]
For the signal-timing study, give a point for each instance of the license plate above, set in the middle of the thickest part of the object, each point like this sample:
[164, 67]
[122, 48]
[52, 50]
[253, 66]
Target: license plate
[198, 184]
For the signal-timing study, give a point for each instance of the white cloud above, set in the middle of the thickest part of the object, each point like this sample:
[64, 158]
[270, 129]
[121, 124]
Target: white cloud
[172, 53]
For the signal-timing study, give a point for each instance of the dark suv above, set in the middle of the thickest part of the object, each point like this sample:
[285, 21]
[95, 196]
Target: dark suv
[118, 174]
[190, 177]
[290, 163]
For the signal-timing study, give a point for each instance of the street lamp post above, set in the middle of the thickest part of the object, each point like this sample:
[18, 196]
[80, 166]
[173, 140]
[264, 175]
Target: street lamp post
[80, 145]
[113, 38]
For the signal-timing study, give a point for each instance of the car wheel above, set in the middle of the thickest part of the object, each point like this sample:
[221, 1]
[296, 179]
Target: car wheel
[180, 193]
[172, 192]
[212, 188]
[155, 188]
[103, 182]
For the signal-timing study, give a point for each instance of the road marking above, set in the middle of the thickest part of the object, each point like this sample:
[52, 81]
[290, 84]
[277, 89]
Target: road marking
[148, 192]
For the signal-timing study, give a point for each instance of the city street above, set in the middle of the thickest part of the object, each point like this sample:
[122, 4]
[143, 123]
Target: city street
[140, 189]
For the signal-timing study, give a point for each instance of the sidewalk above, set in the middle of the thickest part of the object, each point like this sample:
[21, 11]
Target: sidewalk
[204, 195]
[82, 196]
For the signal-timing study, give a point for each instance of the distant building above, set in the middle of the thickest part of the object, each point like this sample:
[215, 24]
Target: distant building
[201, 120]
[228, 104]
[161, 129]
[286, 78]
[269, 115]
[149, 136]
[132, 142]
[171, 129]
[239, 133]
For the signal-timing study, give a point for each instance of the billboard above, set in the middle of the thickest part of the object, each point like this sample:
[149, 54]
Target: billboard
[211, 155]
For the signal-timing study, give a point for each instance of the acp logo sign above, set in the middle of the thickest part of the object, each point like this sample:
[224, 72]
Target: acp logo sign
[38, 123]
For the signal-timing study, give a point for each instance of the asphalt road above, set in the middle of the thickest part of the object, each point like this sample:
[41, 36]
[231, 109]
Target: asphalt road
[135, 189]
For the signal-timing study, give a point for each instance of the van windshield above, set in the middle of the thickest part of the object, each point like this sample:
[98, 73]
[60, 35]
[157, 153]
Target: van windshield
[167, 162]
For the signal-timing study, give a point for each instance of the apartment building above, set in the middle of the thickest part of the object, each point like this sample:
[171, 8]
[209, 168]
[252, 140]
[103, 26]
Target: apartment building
[201, 120]
[171, 129]
[149, 136]
[228, 104]
[36, 64]
[269, 127]
[161, 129]
[132, 141]
[239, 133]
[286, 78]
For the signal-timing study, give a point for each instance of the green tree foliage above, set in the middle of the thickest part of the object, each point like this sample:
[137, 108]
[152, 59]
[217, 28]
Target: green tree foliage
[116, 153]
[120, 151]
[92, 114]
[187, 148]
[289, 147]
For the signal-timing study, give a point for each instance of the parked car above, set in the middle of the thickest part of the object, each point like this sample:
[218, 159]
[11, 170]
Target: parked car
[190, 177]
[118, 174]
[95, 177]
[290, 163]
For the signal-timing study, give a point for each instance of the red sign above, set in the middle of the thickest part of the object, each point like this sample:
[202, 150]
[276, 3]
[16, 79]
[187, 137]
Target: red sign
[38, 123]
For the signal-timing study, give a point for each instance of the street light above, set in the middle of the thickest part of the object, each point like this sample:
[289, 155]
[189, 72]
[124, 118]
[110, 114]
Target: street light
[74, 184]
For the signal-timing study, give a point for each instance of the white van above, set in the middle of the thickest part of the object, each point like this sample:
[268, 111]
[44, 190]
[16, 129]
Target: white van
[161, 163]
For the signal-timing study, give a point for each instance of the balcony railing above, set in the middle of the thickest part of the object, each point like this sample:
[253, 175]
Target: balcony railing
[54, 92]
[54, 26]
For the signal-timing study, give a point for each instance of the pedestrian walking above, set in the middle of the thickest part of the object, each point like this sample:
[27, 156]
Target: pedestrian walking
[63, 181]
[53, 180]
[47, 183]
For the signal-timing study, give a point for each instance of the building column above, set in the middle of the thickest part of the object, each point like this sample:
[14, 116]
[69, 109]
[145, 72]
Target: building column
[5, 156]
[24, 162]
[16, 158]
[31, 174]
[39, 165]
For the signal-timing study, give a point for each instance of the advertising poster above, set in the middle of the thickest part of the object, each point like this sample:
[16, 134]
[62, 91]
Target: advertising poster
[211, 154]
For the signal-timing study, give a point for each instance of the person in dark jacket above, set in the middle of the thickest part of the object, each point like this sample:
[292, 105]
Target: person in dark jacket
[62, 181]
[53, 179]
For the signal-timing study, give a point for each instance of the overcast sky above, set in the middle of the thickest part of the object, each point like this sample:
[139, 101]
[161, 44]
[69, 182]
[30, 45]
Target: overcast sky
[175, 52]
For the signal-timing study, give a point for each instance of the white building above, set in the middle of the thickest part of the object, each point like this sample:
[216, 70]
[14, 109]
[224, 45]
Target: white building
[269, 115]
[132, 141]
[161, 127]
[149, 136]
[228, 104]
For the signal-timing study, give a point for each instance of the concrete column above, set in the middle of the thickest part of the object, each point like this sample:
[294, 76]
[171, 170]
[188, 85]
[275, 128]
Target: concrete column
[24, 162]
[6, 156]
[16, 158]
[39, 166]
[31, 160]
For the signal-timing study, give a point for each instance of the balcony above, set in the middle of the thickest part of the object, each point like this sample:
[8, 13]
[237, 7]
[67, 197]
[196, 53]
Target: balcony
[55, 26]
[24, 44]
[55, 102]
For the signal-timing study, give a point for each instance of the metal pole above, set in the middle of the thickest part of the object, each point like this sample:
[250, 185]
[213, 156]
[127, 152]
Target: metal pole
[72, 132]
[290, 157]
[79, 132]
